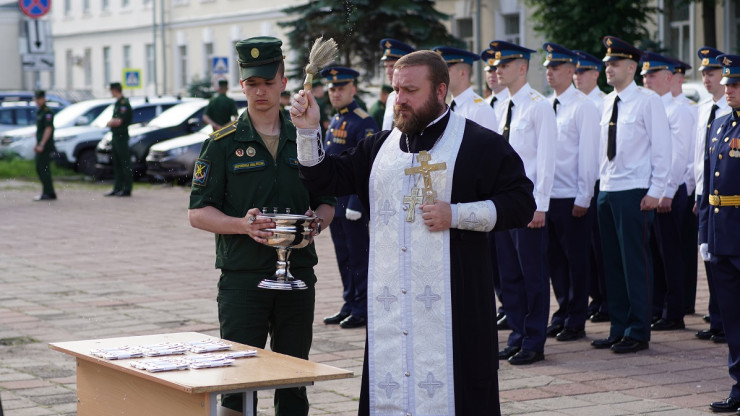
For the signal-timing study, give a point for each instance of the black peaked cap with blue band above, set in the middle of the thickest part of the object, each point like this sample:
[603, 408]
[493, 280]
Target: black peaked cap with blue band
[679, 67]
[558, 55]
[708, 56]
[394, 49]
[652, 61]
[730, 69]
[455, 55]
[587, 61]
[507, 51]
[617, 49]
[488, 58]
[338, 75]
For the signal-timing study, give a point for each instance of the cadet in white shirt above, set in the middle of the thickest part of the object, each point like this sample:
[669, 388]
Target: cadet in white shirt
[568, 221]
[669, 283]
[586, 80]
[393, 50]
[499, 92]
[709, 109]
[465, 101]
[635, 160]
[531, 129]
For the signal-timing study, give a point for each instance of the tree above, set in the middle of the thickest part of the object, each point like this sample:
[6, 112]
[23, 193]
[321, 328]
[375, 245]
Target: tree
[358, 26]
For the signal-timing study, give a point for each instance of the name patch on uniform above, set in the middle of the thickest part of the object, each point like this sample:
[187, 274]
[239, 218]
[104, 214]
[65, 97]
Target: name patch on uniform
[257, 164]
[200, 172]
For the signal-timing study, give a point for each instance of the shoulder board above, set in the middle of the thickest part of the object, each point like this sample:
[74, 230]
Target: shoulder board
[478, 100]
[362, 113]
[535, 96]
[224, 131]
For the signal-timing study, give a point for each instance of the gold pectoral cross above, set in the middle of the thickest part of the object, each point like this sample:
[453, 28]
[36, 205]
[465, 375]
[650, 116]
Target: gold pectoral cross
[412, 201]
[426, 170]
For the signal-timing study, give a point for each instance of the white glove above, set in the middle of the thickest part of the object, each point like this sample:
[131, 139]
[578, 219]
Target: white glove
[352, 215]
[704, 251]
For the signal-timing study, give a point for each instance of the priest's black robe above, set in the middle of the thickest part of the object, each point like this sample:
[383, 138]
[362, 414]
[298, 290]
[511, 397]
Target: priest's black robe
[487, 168]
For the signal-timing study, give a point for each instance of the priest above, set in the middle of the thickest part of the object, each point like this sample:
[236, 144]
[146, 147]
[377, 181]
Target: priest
[435, 185]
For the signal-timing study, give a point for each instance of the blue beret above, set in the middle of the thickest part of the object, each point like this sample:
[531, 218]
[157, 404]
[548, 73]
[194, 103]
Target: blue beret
[488, 58]
[557, 55]
[730, 69]
[506, 51]
[587, 61]
[652, 62]
[394, 49]
[708, 56]
[338, 75]
[618, 49]
[455, 55]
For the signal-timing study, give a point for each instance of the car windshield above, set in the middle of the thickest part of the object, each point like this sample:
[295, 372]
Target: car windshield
[101, 121]
[68, 115]
[176, 115]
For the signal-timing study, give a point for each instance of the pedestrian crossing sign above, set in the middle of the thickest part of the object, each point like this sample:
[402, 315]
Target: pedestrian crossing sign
[220, 65]
[131, 78]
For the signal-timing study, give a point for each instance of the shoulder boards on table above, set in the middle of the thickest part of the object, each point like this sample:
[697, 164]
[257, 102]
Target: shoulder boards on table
[224, 131]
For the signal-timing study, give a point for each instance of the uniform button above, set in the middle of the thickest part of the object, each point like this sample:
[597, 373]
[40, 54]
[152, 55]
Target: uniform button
[716, 192]
[727, 139]
[716, 210]
[403, 291]
[716, 173]
[403, 249]
[405, 208]
[407, 374]
[405, 332]
[720, 156]
[328, 142]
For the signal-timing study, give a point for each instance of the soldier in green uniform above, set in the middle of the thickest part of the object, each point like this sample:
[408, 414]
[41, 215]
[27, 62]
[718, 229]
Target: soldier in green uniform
[44, 146]
[122, 114]
[378, 108]
[221, 108]
[250, 164]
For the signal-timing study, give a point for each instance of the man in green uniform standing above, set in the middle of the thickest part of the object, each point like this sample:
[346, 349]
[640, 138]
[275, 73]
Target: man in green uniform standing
[221, 108]
[122, 114]
[250, 164]
[44, 146]
[377, 110]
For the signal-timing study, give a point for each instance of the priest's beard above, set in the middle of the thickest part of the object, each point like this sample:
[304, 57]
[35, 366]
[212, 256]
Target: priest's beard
[412, 121]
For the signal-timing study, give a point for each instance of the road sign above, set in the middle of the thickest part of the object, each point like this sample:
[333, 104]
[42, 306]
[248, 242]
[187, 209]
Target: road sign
[220, 65]
[37, 61]
[38, 35]
[34, 8]
[131, 78]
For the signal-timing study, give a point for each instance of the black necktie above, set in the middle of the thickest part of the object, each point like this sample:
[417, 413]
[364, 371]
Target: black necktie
[555, 105]
[452, 105]
[493, 101]
[611, 146]
[508, 120]
[712, 114]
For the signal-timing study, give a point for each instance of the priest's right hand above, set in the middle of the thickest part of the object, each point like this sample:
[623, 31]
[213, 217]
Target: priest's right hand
[254, 224]
[304, 111]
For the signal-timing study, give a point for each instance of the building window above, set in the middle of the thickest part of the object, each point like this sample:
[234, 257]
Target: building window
[234, 72]
[105, 5]
[70, 65]
[125, 4]
[127, 56]
[86, 6]
[464, 30]
[732, 20]
[87, 65]
[150, 71]
[67, 7]
[183, 65]
[511, 28]
[106, 65]
[207, 60]
[678, 30]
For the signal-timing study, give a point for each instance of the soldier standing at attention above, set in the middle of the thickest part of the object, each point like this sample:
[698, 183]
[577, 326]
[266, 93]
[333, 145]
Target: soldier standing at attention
[221, 108]
[393, 50]
[122, 115]
[499, 93]
[44, 146]
[250, 164]
[718, 225]
[377, 110]
[349, 229]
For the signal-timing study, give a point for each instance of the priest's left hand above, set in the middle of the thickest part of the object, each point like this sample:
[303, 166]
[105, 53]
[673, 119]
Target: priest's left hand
[438, 216]
[538, 221]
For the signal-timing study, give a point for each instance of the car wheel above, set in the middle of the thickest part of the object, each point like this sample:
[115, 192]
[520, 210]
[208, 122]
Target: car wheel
[86, 162]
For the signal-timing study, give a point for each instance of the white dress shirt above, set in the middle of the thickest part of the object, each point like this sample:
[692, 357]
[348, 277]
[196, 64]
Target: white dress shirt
[681, 122]
[388, 115]
[705, 107]
[577, 149]
[499, 106]
[533, 135]
[643, 156]
[473, 107]
[597, 97]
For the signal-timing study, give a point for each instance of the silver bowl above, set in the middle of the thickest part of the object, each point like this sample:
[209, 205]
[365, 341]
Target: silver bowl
[290, 232]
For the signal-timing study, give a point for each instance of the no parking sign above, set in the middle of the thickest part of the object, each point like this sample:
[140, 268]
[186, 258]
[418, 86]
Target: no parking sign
[34, 8]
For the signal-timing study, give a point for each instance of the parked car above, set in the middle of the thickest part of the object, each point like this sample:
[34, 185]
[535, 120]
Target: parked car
[28, 96]
[175, 159]
[695, 91]
[21, 141]
[15, 114]
[181, 119]
[76, 145]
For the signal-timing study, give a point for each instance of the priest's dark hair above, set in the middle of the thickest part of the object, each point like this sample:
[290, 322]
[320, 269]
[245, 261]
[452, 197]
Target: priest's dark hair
[438, 72]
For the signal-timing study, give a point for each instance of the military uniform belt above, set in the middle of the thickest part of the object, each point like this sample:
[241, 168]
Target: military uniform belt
[724, 200]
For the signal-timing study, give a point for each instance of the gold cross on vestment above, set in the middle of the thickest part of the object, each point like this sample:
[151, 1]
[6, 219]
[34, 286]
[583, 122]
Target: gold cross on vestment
[412, 201]
[426, 170]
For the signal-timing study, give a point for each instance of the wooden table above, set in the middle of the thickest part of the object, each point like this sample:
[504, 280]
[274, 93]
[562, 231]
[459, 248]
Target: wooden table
[108, 387]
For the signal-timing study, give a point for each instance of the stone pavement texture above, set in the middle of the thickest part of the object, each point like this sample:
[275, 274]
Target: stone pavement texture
[86, 267]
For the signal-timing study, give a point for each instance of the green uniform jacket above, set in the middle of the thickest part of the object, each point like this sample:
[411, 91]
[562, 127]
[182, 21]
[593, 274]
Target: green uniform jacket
[234, 173]
[220, 109]
[44, 119]
[377, 110]
[122, 110]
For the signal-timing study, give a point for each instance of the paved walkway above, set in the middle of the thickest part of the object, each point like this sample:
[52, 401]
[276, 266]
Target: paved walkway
[85, 267]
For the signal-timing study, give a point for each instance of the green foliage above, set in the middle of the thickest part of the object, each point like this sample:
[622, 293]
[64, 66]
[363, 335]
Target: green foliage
[358, 26]
[200, 88]
[13, 167]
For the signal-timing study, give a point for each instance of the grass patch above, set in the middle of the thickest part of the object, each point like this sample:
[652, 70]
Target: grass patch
[17, 168]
